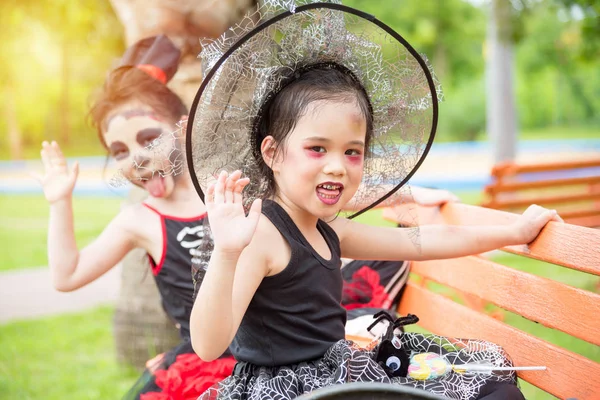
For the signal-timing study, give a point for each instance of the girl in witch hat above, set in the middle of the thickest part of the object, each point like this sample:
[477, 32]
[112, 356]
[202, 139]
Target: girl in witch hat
[341, 107]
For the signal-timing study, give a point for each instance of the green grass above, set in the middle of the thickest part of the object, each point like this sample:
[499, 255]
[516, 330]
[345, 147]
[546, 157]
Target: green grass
[65, 357]
[24, 226]
[473, 197]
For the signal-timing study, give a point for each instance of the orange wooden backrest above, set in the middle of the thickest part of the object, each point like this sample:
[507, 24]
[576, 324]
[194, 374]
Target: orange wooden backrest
[553, 304]
[577, 198]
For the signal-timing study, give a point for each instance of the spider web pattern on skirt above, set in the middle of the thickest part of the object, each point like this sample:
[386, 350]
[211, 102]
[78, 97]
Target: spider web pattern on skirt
[345, 362]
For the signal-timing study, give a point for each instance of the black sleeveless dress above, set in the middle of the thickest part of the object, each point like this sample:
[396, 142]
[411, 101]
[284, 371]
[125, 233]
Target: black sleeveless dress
[291, 339]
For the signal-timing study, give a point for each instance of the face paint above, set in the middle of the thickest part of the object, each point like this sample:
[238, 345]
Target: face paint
[145, 148]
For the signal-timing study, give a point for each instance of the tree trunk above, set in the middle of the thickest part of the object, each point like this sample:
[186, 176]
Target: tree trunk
[184, 22]
[501, 111]
[141, 326]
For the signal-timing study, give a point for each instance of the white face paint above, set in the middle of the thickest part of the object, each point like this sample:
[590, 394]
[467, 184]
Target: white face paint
[143, 145]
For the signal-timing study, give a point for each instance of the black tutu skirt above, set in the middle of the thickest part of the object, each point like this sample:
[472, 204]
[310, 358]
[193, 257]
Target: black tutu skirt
[346, 362]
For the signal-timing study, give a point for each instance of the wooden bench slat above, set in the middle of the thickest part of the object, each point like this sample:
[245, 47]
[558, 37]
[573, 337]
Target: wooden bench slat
[567, 374]
[579, 213]
[516, 185]
[510, 168]
[525, 294]
[590, 222]
[537, 184]
[541, 200]
[568, 215]
[572, 246]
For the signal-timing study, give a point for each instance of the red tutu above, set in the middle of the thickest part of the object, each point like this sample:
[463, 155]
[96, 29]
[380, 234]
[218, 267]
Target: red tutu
[364, 290]
[188, 377]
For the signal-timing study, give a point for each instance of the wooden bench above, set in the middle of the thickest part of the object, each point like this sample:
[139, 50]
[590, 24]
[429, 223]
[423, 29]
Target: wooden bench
[573, 188]
[550, 303]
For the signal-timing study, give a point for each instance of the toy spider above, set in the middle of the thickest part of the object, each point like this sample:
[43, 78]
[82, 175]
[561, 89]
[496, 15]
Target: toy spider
[390, 355]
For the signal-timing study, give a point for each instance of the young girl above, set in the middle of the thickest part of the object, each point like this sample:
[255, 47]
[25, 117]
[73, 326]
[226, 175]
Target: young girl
[273, 285]
[137, 119]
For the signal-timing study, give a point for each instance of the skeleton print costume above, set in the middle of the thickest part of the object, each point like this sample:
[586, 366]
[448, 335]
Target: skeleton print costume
[180, 374]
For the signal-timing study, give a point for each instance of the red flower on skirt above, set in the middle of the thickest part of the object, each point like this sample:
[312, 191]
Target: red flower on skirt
[188, 377]
[364, 290]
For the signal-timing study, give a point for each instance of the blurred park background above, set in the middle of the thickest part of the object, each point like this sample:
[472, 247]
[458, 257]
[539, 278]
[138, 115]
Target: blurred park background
[538, 100]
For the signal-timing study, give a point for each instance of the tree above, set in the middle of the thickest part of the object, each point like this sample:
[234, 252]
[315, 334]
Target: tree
[10, 22]
[184, 22]
[448, 32]
[501, 110]
[507, 27]
[55, 53]
[590, 27]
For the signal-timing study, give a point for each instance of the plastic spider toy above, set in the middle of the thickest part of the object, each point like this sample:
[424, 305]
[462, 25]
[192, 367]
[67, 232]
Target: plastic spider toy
[392, 357]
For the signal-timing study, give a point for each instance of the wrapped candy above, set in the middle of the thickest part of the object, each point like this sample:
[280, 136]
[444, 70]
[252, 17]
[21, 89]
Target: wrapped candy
[425, 366]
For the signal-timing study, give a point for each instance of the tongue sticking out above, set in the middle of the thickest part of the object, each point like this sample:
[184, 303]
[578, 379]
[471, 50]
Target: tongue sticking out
[156, 186]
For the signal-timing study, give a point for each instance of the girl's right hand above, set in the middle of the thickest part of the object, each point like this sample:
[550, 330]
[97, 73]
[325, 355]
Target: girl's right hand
[231, 228]
[57, 182]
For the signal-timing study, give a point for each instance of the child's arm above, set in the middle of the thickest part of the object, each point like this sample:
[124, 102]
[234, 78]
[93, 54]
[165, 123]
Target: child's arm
[418, 195]
[70, 268]
[438, 241]
[236, 268]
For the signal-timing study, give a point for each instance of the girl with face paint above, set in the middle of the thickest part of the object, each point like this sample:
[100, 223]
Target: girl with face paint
[138, 121]
[342, 103]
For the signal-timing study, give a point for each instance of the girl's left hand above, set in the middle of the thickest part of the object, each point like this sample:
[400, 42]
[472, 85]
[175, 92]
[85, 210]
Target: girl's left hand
[531, 222]
[231, 228]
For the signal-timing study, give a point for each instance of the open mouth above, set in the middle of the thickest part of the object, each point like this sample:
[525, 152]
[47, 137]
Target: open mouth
[329, 192]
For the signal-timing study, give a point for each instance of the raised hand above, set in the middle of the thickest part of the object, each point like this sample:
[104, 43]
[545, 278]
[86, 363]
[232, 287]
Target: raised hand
[533, 220]
[231, 228]
[57, 182]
